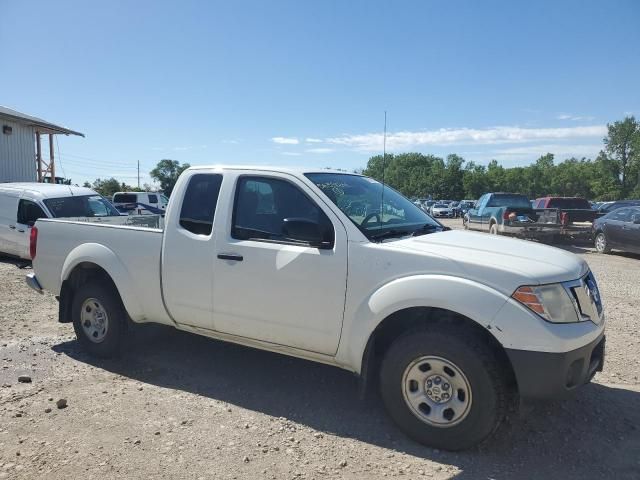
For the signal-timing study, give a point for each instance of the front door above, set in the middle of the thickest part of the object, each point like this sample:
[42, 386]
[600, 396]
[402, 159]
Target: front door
[271, 287]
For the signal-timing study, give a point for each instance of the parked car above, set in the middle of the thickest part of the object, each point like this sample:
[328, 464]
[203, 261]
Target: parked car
[441, 210]
[465, 205]
[607, 207]
[21, 204]
[140, 203]
[456, 326]
[574, 214]
[509, 214]
[618, 230]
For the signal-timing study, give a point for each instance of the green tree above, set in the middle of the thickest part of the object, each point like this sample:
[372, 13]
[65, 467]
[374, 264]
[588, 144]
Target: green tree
[623, 145]
[166, 173]
[108, 187]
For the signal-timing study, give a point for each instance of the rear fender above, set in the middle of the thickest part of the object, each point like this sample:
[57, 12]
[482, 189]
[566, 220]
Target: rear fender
[107, 260]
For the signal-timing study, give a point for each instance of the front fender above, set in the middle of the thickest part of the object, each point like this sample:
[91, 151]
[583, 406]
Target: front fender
[465, 297]
[107, 260]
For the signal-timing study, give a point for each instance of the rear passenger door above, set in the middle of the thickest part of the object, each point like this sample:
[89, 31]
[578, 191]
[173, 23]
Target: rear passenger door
[474, 213]
[616, 224]
[188, 252]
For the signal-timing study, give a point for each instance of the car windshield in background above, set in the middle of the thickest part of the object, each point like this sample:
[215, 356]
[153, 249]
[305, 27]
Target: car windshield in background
[441, 205]
[80, 206]
[508, 200]
[361, 198]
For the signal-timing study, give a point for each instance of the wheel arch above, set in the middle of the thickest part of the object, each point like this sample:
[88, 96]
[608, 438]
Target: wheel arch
[95, 261]
[420, 300]
[414, 318]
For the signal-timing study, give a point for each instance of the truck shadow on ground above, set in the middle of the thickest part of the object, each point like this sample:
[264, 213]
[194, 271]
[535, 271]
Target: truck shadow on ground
[591, 435]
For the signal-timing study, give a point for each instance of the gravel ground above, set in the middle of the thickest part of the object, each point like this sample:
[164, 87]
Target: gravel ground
[182, 406]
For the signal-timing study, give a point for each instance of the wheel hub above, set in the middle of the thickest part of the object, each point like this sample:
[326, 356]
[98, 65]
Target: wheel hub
[94, 320]
[436, 391]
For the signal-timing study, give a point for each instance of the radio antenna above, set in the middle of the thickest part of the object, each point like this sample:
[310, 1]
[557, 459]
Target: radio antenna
[384, 158]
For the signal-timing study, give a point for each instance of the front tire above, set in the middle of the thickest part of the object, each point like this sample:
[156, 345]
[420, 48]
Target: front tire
[99, 319]
[443, 388]
[601, 243]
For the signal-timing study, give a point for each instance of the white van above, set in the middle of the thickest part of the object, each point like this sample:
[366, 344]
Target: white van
[134, 202]
[21, 204]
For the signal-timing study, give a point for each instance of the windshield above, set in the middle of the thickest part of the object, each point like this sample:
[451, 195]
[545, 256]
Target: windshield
[360, 198]
[509, 200]
[441, 205]
[80, 206]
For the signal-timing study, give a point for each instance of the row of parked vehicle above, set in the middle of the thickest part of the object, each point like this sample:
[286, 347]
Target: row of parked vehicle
[614, 225]
[445, 208]
[22, 204]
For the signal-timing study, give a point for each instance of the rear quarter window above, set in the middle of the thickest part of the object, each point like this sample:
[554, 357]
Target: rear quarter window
[570, 203]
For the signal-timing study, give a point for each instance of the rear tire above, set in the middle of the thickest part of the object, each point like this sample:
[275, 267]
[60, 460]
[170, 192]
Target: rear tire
[601, 243]
[459, 363]
[99, 319]
[493, 229]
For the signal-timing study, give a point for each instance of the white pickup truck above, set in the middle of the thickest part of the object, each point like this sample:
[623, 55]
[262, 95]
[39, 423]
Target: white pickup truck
[453, 326]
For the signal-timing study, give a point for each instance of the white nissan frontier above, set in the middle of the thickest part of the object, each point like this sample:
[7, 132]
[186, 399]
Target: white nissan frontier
[454, 327]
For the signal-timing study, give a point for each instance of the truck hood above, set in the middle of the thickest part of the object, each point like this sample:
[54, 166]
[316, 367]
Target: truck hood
[501, 262]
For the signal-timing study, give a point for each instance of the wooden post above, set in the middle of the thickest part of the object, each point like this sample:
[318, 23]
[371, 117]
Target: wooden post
[52, 165]
[39, 156]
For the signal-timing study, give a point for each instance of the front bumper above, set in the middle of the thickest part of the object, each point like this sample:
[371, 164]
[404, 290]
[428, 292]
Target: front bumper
[543, 375]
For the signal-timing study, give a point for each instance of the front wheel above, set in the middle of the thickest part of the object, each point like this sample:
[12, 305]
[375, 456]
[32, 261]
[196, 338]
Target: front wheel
[443, 388]
[601, 244]
[99, 319]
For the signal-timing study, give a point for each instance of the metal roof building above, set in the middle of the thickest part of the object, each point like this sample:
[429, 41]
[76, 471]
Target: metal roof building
[21, 157]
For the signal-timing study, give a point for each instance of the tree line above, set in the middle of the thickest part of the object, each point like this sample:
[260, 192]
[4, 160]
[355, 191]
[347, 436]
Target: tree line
[614, 174]
[165, 173]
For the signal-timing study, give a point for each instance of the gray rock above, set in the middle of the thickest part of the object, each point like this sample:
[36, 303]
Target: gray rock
[62, 403]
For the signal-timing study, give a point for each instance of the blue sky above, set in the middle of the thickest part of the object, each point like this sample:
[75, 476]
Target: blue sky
[306, 83]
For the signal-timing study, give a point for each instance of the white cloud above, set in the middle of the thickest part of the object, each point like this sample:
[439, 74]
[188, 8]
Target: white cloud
[371, 142]
[285, 140]
[573, 118]
[291, 154]
[559, 150]
[319, 150]
[232, 141]
[313, 140]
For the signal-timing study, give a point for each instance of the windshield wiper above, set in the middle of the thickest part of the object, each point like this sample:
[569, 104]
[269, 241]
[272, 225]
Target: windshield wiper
[426, 228]
[390, 234]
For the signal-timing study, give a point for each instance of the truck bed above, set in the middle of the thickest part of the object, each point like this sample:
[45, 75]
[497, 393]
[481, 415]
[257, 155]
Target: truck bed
[133, 254]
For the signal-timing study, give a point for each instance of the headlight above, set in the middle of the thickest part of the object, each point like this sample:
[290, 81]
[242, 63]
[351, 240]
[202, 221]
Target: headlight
[551, 302]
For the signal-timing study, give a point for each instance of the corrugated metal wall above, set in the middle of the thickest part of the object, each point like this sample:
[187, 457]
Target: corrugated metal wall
[17, 153]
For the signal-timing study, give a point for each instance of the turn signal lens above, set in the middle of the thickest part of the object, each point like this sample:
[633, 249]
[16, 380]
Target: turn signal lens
[529, 298]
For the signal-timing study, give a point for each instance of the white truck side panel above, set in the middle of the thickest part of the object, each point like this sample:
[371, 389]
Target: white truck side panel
[130, 255]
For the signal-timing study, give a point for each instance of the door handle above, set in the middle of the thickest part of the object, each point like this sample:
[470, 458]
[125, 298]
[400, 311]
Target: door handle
[230, 256]
[21, 230]
[12, 227]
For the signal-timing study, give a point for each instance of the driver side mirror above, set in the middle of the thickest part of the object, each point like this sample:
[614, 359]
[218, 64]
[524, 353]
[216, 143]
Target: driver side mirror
[305, 230]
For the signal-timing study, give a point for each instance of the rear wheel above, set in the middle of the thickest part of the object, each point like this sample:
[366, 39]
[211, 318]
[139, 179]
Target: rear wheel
[444, 389]
[493, 229]
[601, 244]
[99, 319]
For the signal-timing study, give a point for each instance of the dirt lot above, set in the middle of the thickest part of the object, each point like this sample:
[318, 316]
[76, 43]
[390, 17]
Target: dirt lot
[181, 406]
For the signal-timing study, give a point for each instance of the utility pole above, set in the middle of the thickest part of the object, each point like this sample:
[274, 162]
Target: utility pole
[138, 174]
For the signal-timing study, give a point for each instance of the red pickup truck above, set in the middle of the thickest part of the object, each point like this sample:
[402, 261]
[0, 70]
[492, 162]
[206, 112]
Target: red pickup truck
[573, 214]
